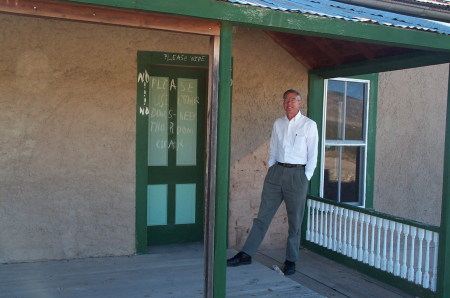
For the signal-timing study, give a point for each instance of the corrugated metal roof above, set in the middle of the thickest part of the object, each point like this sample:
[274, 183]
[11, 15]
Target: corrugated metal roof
[349, 12]
[437, 2]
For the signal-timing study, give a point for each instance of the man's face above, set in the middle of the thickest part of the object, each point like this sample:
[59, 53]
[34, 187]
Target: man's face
[291, 105]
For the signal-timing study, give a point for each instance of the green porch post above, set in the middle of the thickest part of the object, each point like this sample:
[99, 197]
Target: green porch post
[443, 282]
[315, 111]
[223, 160]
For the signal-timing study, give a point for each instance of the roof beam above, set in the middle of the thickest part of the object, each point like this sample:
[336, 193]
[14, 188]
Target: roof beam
[108, 15]
[384, 64]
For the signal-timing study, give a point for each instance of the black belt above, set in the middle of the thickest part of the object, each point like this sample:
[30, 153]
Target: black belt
[289, 165]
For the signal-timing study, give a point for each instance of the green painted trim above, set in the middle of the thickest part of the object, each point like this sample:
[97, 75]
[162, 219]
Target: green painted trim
[315, 108]
[386, 64]
[378, 214]
[407, 286]
[443, 284]
[223, 160]
[268, 19]
[371, 138]
[315, 112]
[141, 159]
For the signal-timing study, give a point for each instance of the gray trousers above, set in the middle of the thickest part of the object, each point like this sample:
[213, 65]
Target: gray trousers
[281, 184]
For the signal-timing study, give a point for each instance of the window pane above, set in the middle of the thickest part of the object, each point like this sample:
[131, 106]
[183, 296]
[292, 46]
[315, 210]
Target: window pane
[157, 121]
[331, 174]
[335, 110]
[157, 205]
[354, 118]
[185, 203]
[187, 122]
[350, 174]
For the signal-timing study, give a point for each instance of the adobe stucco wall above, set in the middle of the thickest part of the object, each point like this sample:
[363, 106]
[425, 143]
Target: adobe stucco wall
[410, 143]
[262, 72]
[67, 132]
[67, 135]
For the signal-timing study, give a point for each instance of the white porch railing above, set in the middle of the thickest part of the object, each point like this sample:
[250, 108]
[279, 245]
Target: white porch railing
[404, 248]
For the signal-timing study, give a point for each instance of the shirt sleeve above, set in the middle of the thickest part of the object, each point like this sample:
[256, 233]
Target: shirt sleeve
[273, 150]
[312, 141]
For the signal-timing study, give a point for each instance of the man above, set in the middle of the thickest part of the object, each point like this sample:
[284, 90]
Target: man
[292, 160]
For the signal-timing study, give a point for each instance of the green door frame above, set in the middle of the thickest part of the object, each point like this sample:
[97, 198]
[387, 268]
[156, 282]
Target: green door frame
[142, 105]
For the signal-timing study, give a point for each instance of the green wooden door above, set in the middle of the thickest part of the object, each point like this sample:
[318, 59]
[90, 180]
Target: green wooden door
[176, 154]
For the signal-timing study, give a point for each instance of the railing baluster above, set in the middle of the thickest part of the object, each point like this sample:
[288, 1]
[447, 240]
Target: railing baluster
[421, 233]
[378, 254]
[411, 262]
[330, 231]
[372, 243]
[399, 227]
[434, 274]
[426, 276]
[308, 220]
[405, 251]
[366, 243]
[344, 242]
[361, 233]
[335, 241]
[316, 226]
[341, 213]
[391, 248]
[321, 224]
[385, 239]
[355, 237]
[350, 246]
[325, 237]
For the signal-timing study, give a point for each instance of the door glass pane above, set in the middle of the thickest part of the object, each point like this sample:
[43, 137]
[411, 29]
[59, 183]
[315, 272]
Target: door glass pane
[331, 173]
[350, 174]
[185, 203]
[187, 99]
[354, 118]
[335, 110]
[157, 205]
[157, 121]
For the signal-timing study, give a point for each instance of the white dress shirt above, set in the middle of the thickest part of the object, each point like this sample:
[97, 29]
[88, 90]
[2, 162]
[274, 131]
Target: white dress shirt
[295, 142]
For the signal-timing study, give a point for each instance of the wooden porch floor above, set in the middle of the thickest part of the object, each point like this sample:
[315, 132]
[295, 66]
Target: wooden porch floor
[331, 279]
[177, 271]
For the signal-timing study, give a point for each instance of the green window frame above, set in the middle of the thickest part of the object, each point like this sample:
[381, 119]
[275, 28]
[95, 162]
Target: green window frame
[317, 112]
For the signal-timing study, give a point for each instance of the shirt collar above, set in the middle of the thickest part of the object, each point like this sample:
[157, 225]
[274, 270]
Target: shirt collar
[298, 116]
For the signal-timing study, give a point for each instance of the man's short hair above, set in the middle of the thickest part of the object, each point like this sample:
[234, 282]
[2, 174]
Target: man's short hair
[292, 91]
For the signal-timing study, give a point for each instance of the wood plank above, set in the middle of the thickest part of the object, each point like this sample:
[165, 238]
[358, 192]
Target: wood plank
[108, 15]
[166, 271]
[332, 279]
[256, 280]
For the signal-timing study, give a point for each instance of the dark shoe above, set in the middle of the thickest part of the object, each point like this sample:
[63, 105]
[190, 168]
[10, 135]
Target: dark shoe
[289, 268]
[241, 258]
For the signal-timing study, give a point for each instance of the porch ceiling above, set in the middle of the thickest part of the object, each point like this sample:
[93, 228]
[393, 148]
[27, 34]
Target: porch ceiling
[318, 52]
